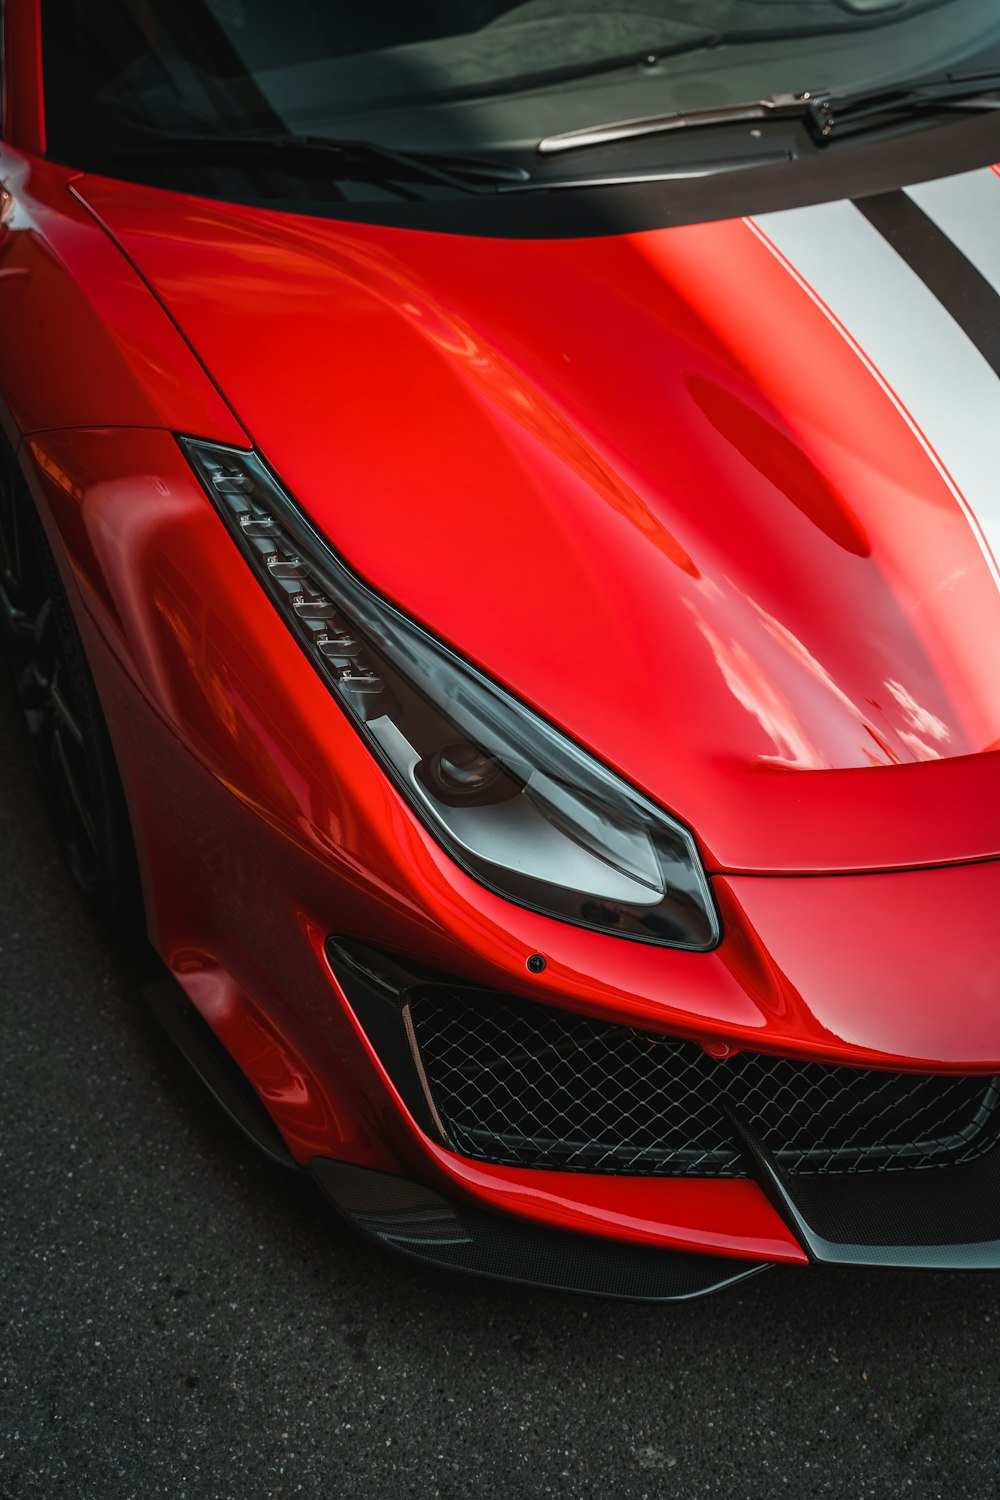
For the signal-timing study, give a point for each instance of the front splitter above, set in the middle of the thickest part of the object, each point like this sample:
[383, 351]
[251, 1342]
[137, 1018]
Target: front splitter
[418, 1222]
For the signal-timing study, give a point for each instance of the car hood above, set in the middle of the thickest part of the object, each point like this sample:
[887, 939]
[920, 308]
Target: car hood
[716, 499]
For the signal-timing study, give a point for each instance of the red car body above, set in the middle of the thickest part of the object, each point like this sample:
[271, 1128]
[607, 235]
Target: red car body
[649, 481]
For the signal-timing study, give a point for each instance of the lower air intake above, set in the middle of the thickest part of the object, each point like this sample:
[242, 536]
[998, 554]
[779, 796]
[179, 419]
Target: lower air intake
[526, 1085]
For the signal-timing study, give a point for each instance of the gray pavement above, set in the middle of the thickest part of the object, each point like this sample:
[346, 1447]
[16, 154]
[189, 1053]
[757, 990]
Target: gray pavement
[177, 1319]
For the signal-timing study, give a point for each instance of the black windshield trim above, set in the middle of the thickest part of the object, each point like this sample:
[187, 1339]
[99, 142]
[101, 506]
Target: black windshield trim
[856, 170]
[358, 160]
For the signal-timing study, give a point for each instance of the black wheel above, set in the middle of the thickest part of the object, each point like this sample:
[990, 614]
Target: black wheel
[55, 691]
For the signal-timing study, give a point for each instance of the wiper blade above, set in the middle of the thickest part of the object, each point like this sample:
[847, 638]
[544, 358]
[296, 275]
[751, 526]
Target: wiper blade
[774, 107]
[825, 114]
[361, 161]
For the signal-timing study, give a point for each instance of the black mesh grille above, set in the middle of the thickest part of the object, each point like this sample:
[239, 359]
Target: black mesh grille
[525, 1085]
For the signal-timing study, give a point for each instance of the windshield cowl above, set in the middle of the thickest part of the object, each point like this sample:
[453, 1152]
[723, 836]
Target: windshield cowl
[322, 101]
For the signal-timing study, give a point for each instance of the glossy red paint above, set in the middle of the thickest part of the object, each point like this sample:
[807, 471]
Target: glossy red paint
[448, 411]
[697, 1216]
[253, 849]
[84, 342]
[706, 529]
[282, 781]
[920, 956]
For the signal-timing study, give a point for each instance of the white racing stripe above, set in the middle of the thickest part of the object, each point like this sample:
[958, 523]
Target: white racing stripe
[924, 360]
[967, 210]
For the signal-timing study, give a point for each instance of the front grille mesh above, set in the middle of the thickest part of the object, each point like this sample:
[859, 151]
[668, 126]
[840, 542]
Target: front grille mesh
[526, 1085]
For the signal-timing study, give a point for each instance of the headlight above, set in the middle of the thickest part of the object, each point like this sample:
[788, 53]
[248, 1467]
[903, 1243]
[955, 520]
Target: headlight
[514, 802]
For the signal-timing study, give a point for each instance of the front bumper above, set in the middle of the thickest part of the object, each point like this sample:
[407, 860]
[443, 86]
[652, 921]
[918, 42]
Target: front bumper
[860, 1166]
[946, 1225]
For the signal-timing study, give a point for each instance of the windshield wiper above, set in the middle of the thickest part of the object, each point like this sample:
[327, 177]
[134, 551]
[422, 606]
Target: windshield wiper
[843, 114]
[775, 107]
[825, 114]
[311, 155]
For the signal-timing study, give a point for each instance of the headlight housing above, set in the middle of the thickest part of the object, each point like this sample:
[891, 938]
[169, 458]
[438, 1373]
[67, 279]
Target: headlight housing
[517, 804]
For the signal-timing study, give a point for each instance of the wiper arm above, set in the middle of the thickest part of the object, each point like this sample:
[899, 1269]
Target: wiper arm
[844, 114]
[825, 114]
[774, 107]
[361, 161]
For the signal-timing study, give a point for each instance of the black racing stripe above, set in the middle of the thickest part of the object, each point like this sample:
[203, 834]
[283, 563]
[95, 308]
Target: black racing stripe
[941, 266]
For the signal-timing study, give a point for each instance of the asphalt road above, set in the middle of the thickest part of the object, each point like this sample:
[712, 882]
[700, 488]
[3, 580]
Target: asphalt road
[177, 1319]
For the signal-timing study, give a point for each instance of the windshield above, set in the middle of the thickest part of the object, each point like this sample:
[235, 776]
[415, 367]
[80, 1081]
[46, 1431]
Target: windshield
[486, 78]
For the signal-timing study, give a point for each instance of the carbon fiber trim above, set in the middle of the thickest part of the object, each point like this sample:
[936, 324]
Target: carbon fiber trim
[218, 1071]
[418, 1222]
[946, 1220]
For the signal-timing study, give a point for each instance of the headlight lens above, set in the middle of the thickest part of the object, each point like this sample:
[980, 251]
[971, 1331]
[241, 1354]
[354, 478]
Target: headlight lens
[515, 802]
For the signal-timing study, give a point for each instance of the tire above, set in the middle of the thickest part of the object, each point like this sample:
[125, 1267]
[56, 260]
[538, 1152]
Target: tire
[66, 730]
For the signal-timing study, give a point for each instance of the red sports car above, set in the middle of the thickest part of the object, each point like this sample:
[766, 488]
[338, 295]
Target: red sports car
[499, 535]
